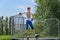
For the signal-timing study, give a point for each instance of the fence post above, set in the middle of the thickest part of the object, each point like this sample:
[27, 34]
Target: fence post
[27, 37]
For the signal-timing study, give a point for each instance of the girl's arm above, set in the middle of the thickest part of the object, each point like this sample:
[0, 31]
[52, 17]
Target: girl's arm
[22, 13]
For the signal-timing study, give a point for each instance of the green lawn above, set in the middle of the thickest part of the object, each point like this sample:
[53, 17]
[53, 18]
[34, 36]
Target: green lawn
[5, 37]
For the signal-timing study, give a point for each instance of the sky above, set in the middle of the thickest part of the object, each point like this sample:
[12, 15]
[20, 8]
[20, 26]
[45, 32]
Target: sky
[13, 7]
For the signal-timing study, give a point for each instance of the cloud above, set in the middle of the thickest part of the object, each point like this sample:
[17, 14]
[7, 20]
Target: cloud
[24, 6]
[21, 7]
[0, 14]
[33, 1]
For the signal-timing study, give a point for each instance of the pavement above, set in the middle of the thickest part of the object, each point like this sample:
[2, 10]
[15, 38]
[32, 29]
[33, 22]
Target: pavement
[36, 39]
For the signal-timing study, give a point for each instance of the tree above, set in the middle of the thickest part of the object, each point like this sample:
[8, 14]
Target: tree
[46, 9]
[2, 25]
[9, 25]
[6, 25]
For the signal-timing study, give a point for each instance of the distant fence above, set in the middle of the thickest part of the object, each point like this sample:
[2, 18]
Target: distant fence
[17, 26]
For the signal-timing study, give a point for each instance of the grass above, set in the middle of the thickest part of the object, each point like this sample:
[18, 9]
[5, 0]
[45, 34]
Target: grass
[5, 37]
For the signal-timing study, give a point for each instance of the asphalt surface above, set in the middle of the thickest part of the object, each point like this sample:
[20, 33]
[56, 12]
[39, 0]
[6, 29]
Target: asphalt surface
[36, 39]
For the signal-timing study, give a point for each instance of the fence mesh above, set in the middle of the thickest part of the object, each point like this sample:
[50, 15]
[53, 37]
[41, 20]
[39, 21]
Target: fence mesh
[51, 27]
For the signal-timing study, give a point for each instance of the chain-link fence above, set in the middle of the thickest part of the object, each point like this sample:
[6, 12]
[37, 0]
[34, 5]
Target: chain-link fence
[51, 27]
[17, 26]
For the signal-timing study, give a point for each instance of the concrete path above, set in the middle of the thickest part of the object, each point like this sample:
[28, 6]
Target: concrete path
[37, 39]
